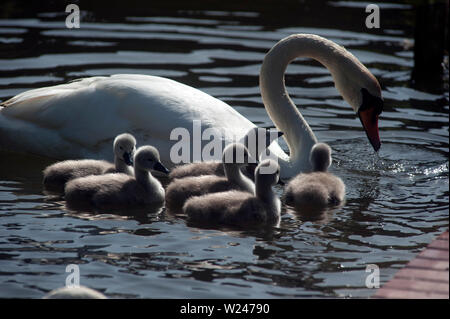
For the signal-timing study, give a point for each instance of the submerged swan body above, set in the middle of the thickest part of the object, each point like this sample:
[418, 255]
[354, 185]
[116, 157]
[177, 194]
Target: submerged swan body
[236, 208]
[316, 190]
[61, 121]
[256, 140]
[179, 190]
[119, 191]
[79, 292]
[57, 175]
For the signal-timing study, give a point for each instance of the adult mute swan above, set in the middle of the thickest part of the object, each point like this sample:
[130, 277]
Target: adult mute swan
[80, 118]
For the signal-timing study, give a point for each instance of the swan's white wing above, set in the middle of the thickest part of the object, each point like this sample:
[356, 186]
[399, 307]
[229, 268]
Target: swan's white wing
[81, 118]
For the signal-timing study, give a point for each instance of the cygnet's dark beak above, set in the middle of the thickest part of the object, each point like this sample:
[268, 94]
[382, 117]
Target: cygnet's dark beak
[128, 158]
[160, 168]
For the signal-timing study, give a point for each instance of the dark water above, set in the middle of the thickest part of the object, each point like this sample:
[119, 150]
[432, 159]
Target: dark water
[396, 201]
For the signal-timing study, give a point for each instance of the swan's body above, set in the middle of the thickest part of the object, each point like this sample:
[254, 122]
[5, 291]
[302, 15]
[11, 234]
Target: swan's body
[57, 175]
[120, 191]
[61, 121]
[239, 208]
[179, 190]
[319, 189]
[79, 292]
[81, 118]
[256, 141]
[197, 169]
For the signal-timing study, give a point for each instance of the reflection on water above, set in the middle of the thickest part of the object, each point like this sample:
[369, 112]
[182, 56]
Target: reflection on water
[397, 201]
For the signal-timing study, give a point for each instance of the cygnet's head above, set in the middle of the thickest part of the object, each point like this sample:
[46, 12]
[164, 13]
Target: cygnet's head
[147, 158]
[267, 172]
[124, 147]
[258, 139]
[237, 153]
[320, 157]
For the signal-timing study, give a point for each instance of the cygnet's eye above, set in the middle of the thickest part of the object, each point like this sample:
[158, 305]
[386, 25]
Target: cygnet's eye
[121, 148]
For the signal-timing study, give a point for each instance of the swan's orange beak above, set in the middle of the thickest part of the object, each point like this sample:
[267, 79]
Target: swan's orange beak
[369, 120]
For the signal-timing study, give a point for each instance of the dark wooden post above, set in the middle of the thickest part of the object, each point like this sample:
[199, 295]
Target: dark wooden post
[430, 37]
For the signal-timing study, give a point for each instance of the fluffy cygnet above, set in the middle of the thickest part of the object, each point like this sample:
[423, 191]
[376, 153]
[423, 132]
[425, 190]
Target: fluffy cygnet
[120, 191]
[234, 157]
[57, 175]
[237, 208]
[316, 190]
[256, 140]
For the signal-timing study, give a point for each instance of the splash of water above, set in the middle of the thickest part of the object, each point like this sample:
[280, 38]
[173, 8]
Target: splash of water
[384, 165]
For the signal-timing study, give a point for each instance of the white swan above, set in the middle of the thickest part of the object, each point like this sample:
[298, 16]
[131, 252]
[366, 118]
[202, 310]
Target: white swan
[240, 208]
[256, 141]
[179, 190]
[118, 190]
[315, 191]
[57, 175]
[61, 121]
[79, 292]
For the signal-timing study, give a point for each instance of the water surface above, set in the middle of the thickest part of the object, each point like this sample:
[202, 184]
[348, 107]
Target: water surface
[397, 201]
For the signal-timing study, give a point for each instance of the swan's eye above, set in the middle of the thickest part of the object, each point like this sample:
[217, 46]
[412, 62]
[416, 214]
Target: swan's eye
[370, 101]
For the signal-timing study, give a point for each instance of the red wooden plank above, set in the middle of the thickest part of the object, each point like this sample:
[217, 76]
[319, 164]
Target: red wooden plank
[429, 264]
[408, 294]
[435, 254]
[417, 285]
[425, 274]
[439, 244]
[444, 236]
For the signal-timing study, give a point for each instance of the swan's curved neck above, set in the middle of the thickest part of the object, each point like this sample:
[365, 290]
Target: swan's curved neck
[145, 178]
[121, 166]
[234, 174]
[280, 107]
[265, 193]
